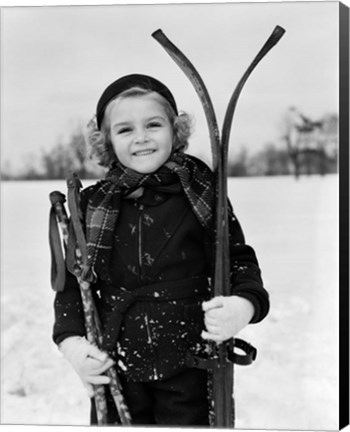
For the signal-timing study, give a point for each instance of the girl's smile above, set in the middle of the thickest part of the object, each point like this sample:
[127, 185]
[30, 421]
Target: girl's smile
[141, 133]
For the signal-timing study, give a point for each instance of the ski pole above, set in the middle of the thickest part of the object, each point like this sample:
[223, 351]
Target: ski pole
[57, 201]
[92, 324]
[74, 186]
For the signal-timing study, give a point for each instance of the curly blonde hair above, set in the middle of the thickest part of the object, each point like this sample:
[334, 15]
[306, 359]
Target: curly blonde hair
[99, 142]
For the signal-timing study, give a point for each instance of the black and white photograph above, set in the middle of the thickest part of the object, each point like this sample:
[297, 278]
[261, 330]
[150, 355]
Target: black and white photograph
[174, 215]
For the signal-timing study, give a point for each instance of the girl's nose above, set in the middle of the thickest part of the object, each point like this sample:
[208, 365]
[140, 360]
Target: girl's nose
[141, 136]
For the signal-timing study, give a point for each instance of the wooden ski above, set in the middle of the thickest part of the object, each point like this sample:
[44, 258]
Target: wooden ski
[222, 380]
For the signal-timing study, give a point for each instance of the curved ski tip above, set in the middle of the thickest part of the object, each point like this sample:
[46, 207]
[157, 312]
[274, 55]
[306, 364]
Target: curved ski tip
[157, 32]
[279, 31]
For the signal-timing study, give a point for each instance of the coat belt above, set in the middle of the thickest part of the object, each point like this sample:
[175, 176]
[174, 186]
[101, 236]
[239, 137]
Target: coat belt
[158, 292]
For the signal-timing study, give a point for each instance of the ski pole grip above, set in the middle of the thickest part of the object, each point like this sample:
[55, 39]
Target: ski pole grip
[57, 197]
[74, 185]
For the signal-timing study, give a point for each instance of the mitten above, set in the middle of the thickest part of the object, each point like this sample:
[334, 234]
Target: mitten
[87, 360]
[224, 317]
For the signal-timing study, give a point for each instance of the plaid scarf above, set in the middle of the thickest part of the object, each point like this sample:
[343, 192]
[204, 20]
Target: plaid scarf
[103, 207]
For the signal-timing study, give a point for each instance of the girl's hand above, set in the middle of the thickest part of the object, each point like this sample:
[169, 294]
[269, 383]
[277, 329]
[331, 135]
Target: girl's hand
[87, 360]
[224, 317]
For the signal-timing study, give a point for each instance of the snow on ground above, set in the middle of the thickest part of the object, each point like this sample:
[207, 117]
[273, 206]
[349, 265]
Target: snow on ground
[293, 226]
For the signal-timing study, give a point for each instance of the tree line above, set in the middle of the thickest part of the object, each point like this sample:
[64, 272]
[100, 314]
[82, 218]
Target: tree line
[305, 147]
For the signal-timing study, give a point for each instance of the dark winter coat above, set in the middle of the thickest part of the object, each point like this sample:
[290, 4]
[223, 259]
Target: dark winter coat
[160, 246]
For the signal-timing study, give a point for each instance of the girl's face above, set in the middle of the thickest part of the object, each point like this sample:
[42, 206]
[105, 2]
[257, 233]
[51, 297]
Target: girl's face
[141, 133]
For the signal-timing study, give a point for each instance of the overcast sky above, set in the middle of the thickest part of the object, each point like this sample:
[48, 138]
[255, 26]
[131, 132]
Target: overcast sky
[56, 61]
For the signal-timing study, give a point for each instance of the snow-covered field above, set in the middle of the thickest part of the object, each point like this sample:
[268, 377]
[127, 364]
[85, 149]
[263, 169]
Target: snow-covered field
[293, 226]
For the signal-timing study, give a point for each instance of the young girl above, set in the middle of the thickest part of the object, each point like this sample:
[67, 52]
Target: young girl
[149, 230]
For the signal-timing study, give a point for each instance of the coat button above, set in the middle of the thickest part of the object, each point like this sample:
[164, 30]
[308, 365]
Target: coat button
[158, 197]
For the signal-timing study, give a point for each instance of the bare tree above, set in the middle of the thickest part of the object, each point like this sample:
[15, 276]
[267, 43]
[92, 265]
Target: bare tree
[272, 161]
[311, 144]
[291, 136]
[71, 157]
[238, 165]
[57, 162]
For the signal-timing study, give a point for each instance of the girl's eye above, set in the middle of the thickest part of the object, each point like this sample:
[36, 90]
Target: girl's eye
[124, 130]
[154, 125]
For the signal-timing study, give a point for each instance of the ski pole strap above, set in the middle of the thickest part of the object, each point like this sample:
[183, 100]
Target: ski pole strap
[246, 359]
[58, 267]
[242, 359]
